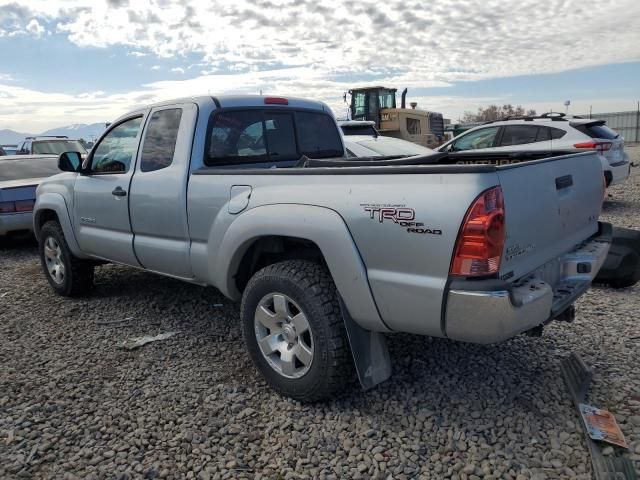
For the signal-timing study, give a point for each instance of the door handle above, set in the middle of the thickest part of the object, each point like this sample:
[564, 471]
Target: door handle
[564, 182]
[119, 192]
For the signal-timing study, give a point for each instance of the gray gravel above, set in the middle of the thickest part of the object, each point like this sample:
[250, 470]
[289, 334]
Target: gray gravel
[74, 405]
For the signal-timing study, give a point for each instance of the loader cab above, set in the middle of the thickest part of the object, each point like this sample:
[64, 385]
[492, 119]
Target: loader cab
[367, 102]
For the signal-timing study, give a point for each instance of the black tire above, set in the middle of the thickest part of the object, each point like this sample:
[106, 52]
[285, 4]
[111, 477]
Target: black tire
[77, 278]
[310, 286]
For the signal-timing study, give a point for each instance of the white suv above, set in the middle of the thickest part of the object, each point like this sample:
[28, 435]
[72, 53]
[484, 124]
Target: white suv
[548, 132]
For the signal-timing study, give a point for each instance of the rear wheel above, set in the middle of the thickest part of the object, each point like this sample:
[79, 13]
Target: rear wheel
[293, 329]
[68, 275]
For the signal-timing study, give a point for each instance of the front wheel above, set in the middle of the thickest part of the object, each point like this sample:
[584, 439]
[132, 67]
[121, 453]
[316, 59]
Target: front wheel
[293, 329]
[68, 276]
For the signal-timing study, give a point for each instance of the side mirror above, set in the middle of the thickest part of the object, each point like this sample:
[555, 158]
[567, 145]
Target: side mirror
[70, 162]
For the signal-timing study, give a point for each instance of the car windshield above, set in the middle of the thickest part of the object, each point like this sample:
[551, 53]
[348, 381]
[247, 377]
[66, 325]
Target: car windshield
[28, 168]
[56, 147]
[387, 147]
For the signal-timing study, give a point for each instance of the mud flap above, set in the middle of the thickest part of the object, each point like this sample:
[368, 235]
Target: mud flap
[369, 350]
[622, 265]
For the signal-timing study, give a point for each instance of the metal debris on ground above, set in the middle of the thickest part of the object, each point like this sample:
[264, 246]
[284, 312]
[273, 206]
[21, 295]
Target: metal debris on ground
[577, 377]
[114, 322]
[136, 342]
[602, 425]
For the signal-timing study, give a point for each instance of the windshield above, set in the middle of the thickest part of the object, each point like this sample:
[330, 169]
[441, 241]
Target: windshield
[28, 168]
[56, 147]
[388, 147]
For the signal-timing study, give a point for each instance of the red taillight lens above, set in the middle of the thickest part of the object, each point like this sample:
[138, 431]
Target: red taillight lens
[276, 101]
[601, 147]
[24, 205]
[7, 207]
[481, 239]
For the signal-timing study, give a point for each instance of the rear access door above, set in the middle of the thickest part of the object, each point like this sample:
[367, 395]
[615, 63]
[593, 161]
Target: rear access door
[550, 207]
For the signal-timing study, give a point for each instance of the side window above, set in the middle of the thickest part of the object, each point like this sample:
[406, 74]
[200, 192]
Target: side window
[413, 126]
[544, 134]
[160, 140]
[518, 135]
[483, 138]
[114, 152]
[556, 133]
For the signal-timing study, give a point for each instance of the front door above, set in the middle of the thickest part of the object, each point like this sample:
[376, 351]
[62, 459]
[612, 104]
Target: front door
[101, 201]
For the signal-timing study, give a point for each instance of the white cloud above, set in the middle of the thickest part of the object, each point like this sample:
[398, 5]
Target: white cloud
[447, 40]
[315, 49]
[34, 28]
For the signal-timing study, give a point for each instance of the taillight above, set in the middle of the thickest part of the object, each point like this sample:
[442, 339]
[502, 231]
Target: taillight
[24, 205]
[276, 101]
[19, 206]
[7, 207]
[601, 147]
[481, 239]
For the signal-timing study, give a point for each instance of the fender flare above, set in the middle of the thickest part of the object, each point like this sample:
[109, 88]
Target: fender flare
[57, 203]
[320, 225]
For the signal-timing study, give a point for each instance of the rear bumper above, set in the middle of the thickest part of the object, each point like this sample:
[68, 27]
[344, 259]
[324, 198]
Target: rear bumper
[619, 171]
[14, 222]
[490, 311]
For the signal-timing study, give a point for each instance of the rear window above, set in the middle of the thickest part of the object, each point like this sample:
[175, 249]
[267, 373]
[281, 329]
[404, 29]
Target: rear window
[597, 130]
[56, 147]
[28, 168]
[250, 136]
[359, 130]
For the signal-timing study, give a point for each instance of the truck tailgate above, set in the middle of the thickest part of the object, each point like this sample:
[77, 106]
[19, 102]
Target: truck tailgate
[550, 207]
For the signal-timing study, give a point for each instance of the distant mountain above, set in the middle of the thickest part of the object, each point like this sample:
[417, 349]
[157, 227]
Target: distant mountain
[77, 130]
[11, 137]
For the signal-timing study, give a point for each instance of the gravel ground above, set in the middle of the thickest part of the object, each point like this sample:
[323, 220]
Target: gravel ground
[74, 405]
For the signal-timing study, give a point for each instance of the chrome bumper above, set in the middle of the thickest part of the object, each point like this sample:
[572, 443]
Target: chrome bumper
[13, 222]
[490, 311]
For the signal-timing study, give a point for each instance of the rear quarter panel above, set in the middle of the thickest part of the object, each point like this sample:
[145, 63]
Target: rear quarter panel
[407, 271]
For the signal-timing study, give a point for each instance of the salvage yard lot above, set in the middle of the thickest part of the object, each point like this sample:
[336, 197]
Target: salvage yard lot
[75, 405]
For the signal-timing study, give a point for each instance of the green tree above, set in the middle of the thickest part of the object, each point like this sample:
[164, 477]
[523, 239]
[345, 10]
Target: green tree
[496, 112]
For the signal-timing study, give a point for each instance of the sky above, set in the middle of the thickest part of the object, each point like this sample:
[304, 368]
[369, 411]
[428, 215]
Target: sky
[86, 61]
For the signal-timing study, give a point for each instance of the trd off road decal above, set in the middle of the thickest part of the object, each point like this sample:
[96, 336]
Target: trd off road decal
[398, 214]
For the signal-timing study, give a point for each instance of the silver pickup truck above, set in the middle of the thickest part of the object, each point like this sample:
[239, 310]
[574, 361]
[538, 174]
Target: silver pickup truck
[253, 195]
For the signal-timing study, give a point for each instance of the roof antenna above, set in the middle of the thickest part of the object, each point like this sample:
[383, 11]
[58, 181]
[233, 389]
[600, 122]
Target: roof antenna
[260, 91]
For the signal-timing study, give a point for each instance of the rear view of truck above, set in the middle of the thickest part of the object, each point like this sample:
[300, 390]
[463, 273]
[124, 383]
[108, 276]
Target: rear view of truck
[536, 241]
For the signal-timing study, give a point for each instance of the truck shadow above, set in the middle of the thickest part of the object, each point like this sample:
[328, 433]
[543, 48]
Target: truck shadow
[18, 242]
